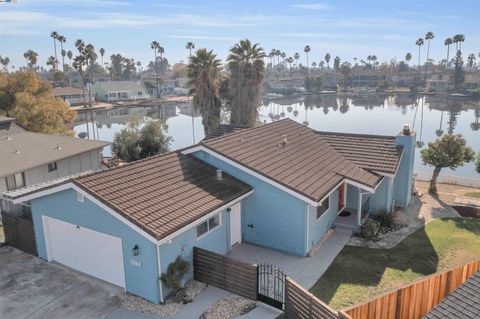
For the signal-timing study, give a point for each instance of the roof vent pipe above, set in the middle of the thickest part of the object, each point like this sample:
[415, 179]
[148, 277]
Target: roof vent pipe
[284, 141]
[406, 129]
[219, 175]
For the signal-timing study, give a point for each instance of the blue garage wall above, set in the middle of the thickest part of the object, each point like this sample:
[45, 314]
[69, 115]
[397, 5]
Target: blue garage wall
[141, 281]
[182, 245]
[317, 228]
[382, 199]
[270, 217]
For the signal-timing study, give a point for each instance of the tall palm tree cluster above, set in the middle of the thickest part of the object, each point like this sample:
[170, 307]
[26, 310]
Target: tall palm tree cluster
[4, 61]
[246, 70]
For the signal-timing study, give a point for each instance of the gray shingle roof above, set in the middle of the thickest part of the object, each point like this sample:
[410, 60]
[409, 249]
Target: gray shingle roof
[462, 303]
[223, 129]
[306, 163]
[21, 150]
[117, 86]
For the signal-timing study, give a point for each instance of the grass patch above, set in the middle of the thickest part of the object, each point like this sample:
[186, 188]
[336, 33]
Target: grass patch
[358, 274]
[473, 195]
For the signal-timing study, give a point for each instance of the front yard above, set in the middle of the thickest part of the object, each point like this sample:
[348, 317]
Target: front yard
[358, 274]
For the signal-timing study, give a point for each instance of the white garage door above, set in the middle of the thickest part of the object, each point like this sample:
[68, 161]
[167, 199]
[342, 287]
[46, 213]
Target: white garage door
[86, 250]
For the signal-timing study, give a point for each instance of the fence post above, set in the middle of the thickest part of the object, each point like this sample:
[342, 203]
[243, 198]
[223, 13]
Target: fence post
[398, 308]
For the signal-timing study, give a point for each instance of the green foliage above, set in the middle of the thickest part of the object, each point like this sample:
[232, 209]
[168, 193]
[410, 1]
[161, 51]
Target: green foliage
[28, 99]
[133, 143]
[459, 74]
[175, 272]
[450, 150]
[477, 163]
[386, 220]
[370, 229]
[247, 70]
[313, 83]
[336, 63]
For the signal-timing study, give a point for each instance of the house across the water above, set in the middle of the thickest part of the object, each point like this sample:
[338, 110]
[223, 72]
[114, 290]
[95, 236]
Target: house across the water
[280, 185]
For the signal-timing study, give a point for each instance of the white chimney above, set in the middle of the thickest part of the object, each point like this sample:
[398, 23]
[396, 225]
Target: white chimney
[219, 175]
[406, 129]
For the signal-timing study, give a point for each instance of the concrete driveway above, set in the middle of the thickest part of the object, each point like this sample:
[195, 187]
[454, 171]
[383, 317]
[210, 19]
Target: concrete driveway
[33, 288]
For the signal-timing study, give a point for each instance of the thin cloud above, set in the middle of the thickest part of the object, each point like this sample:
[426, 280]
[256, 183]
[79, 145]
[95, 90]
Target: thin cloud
[201, 37]
[311, 6]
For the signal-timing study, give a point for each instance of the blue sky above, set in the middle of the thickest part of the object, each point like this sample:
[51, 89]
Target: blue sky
[348, 29]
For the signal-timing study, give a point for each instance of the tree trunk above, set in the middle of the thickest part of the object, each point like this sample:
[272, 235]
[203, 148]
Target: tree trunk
[433, 183]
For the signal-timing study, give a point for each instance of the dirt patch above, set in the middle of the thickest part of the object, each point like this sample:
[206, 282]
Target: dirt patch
[229, 307]
[469, 212]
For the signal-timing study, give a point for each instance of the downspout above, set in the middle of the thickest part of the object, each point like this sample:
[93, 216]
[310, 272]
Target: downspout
[159, 273]
[308, 228]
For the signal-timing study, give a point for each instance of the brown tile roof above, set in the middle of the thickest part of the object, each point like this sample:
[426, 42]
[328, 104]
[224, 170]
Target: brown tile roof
[462, 303]
[306, 163]
[371, 152]
[223, 129]
[161, 194]
[60, 91]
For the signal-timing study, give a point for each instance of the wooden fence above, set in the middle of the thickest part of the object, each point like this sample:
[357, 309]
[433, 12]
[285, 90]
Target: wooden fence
[19, 233]
[301, 304]
[415, 300]
[225, 273]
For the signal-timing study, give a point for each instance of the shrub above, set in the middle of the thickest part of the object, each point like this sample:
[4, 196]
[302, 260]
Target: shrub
[370, 229]
[386, 220]
[175, 272]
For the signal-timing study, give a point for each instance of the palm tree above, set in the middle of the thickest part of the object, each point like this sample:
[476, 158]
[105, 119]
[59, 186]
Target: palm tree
[306, 50]
[61, 39]
[161, 51]
[190, 46]
[204, 73]
[102, 53]
[471, 60]
[408, 57]
[247, 69]
[4, 61]
[32, 58]
[419, 42]
[447, 43]
[55, 35]
[70, 56]
[290, 61]
[458, 39]
[327, 59]
[52, 62]
[429, 36]
[155, 46]
[272, 55]
[296, 56]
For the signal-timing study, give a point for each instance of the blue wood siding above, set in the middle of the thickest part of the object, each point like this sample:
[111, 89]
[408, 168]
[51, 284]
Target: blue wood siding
[218, 240]
[381, 200]
[142, 281]
[318, 227]
[270, 217]
[403, 180]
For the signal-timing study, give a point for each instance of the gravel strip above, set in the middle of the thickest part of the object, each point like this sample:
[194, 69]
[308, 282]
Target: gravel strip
[229, 307]
[171, 306]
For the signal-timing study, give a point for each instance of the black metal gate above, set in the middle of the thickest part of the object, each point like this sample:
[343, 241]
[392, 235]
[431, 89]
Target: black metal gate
[271, 285]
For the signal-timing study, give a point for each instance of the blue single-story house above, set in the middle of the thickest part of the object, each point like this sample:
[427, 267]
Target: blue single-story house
[280, 185]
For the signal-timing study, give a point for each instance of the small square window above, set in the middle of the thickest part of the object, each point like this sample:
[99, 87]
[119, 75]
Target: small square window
[323, 207]
[52, 166]
[80, 197]
[213, 222]
[202, 229]
[208, 225]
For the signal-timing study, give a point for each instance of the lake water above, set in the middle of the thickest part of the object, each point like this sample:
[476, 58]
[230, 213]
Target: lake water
[429, 116]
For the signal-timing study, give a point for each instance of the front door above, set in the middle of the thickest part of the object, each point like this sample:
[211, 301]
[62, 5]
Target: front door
[235, 224]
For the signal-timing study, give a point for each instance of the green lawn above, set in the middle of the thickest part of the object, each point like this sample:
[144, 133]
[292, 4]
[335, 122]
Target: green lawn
[359, 274]
[473, 194]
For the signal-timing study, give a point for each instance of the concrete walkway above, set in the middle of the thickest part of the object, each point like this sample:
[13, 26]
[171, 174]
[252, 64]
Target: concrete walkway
[304, 270]
[196, 308]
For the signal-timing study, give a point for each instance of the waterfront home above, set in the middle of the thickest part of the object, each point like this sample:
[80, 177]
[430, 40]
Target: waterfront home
[368, 79]
[73, 96]
[280, 185]
[440, 81]
[114, 91]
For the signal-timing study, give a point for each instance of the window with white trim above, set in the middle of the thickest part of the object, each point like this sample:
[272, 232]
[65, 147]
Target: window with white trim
[52, 166]
[323, 207]
[15, 181]
[208, 226]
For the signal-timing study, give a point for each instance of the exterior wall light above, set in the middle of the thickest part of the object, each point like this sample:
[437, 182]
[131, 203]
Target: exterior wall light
[229, 210]
[135, 250]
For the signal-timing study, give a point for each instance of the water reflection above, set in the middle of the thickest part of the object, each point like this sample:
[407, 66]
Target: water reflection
[430, 116]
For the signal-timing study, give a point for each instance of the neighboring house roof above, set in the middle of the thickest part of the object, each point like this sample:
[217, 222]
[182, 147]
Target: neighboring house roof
[163, 193]
[21, 150]
[223, 129]
[462, 303]
[61, 91]
[306, 163]
[371, 152]
[121, 86]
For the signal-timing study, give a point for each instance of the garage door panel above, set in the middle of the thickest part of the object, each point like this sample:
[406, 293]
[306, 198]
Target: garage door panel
[88, 251]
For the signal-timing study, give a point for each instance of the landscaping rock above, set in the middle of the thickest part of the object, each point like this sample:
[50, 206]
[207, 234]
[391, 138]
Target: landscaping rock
[229, 307]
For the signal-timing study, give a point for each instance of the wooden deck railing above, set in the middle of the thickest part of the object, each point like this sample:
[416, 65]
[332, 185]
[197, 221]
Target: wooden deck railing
[415, 300]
